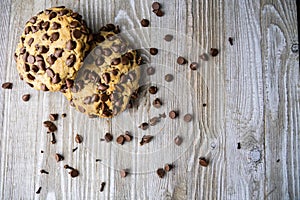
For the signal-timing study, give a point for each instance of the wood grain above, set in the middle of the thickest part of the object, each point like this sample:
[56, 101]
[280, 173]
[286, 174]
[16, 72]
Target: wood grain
[251, 90]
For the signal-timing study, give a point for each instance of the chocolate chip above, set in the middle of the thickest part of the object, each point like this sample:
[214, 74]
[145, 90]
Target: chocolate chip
[159, 13]
[168, 167]
[178, 140]
[150, 70]
[56, 79]
[87, 100]
[46, 25]
[44, 88]
[54, 36]
[52, 15]
[181, 60]
[31, 59]
[30, 41]
[78, 139]
[144, 126]
[55, 26]
[81, 109]
[95, 98]
[43, 49]
[63, 12]
[26, 97]
[41, 65]
[106, 78]
[34, 28]
[102, 186]
[104, 97]
[153, 89]
[25, 56]
[30, 85]
[193, 66]
[127, 136]
[42, 171]
[125, 60]
[77, 34]
[107, 52]
[145, 22]
[33, 19]
[102, 87]
[116, 48]
[146, 139]
[50, 125]
[74, 24]
[74, 173]
[111, 37]
[22, 51]
[160, 172]
[157, 103]
[70, 45]
[68, 167]
[173, 114]
[214, 52]
[153, 51]
[30, 77]
[39, 190]
[156, 6]
[39, 58]
[115, 61]
[27, 30]
[203, 162]
[53, 117]
[51, 59]
[153, 121]
[168, 38]
[59, 157]
[108, 137]
[26, 67]
[169, 77]
[50, 72]
[99, 61]
[7, 85]
[45, 36]
[120, 139]
[71, 60]
[58, 52]
[187, 117]
[123, 173]
[230, 39]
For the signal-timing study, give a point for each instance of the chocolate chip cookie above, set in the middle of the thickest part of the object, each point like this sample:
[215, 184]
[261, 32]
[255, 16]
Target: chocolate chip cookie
[52, 48]
[108, 77]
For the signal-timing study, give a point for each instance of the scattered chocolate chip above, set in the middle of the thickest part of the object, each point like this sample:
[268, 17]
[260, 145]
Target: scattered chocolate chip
[146, 139]
[74, 173]
[194, 66]
[51, 127]
[58, 157]
[102, 186]
[78, 139]
[278, 160]
[156, 6]
[153, 89]
[169, 77]
[63, 115]
[68, 167]
[71, 60]
[173, 114]
[54, 36]
[150, 70]
[123, 173]
[157, 103]
[26, 97]
[153, 121]
[168, 38]
[144, 126]
[53, 141]
[238, 145]
[159, 13]
[230, 39]
[7, 85]
[214, 52]
[187, 117]
[203, 162]
[181, 60]
[55, 26]
[160, 172]
[145, 22]
[127, 136]
[77, 34]
[168, 167]
[178, 140]
[108, 137]
[153, 51]
[39, 190]
[120, 139]
[73, 150]
[70, 45]
[204, 57]
[44, 171]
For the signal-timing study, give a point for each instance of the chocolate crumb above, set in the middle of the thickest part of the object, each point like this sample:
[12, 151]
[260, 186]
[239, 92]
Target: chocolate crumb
[168, 167]
[238, 145]
[73, 150]
[63, 115]
[53, 117]
[214, 52]
[146, 139]
[144, 126]
[39, 190]
[160, 172]
[230, 39]
[42, 151]
[58, 157]
[53, 141]
[98, 160]
[204, 105]
[102, 186]
[44, 171]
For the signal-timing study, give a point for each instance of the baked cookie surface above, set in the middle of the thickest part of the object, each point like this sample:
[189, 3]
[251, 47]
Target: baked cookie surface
[52, 48]
[107, 79]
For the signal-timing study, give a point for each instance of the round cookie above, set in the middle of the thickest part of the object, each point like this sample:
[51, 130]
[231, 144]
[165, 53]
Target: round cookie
[107, 79]
[52, 48]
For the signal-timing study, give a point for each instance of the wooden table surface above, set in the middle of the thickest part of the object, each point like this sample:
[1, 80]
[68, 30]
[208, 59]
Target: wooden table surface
[249, 129]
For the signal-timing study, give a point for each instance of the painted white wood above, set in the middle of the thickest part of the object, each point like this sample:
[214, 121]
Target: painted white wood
[251, 90]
